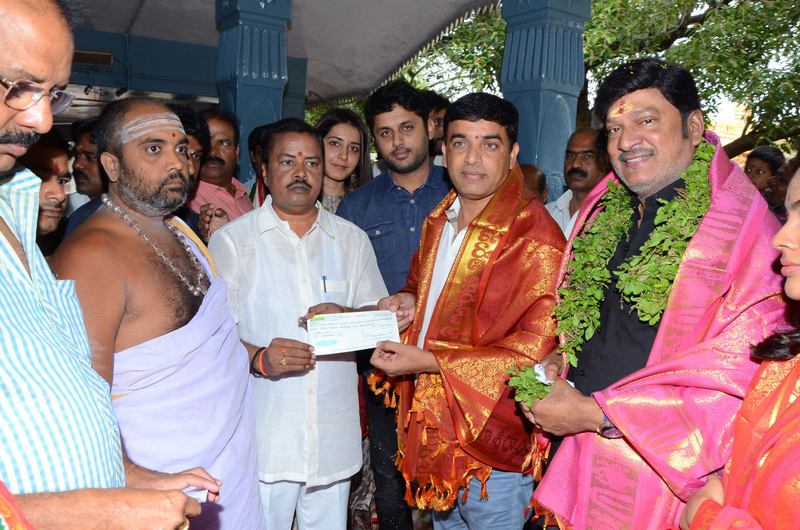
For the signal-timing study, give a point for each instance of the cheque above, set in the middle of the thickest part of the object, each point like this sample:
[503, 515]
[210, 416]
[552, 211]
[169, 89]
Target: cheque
[345, 332]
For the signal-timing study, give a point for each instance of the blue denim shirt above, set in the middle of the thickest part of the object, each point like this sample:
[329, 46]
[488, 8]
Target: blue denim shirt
[392, 218]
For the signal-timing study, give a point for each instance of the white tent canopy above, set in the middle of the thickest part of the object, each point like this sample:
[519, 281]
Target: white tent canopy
[351, 45]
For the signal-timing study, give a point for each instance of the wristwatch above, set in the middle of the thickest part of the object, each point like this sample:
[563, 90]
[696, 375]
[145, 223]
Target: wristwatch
[609, 430]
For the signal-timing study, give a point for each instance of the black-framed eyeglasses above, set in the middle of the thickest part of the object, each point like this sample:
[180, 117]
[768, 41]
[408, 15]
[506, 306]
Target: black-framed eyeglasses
[23, 94]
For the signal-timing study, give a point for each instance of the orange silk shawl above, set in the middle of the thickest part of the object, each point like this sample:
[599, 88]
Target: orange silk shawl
[494, 313]
[762, 480]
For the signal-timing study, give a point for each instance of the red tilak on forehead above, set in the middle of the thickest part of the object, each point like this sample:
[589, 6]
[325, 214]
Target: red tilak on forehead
[300, 154]
[620, 109]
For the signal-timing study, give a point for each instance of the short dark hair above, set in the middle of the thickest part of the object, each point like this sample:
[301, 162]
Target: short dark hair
[769, 155]
[109, 123]
[51, 140]
[334, 117]
[436, 101]
[286, 125]
[79, 128]
[397, 92]
[537, 181]
[674, 82]
[255, 137]
[193, 125]
[219, 114]
[600, 144]
[600, 140]
[482, 106]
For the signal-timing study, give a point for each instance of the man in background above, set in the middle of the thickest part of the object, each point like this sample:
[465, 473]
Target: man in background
[90, 182]
[437, 105]
[391, 209]
[585, 163]
[49, 160]
[218, 187]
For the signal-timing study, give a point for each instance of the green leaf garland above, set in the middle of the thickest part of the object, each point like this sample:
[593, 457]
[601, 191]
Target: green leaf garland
[526, 386]
[644, 280]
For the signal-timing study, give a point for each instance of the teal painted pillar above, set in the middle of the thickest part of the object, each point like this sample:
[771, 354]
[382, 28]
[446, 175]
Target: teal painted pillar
[251, 65]
[294, 98]
[542, 75]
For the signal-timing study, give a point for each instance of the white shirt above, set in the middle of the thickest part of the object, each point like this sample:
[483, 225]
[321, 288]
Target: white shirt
[559, 210]
[449, 245]
[307, 425]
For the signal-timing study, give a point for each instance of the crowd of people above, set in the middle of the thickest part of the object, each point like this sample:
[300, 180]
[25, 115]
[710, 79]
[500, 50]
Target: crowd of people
[155, 370]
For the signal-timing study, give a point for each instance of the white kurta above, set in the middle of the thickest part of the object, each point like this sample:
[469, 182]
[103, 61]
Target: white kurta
[307, 425]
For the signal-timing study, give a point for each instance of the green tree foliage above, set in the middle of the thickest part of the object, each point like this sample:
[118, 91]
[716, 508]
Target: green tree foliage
[315, 113]
[747, 52]
[467, 59]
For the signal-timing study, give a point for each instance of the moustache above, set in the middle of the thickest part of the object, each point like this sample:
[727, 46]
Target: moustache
[577, 172]
[635, 153]
[57, 205]
[175, 175]
[214, 159]
[20, 138]
[299, 182]
[78, 174]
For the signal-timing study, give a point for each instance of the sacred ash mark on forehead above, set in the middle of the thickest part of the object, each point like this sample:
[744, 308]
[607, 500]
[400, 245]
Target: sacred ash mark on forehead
[620, 109]
[149, 124]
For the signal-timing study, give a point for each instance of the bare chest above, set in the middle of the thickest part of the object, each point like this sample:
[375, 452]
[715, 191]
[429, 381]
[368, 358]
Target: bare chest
[158, 299]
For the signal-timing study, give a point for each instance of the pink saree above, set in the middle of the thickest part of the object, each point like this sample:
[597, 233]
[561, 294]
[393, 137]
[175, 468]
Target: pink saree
[677, 413]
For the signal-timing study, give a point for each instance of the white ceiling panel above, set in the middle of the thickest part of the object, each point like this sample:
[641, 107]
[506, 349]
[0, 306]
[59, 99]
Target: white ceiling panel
[351, 45]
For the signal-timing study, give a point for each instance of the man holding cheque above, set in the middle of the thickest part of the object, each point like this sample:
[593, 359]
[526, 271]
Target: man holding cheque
[284, 263]
[480, 292]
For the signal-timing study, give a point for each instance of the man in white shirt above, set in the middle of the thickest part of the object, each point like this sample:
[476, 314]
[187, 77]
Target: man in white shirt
[287, 260]
[585, 163]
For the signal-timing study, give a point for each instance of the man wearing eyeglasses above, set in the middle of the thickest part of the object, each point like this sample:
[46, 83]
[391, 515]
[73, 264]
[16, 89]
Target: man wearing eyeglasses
[61, 452]
[585, 163]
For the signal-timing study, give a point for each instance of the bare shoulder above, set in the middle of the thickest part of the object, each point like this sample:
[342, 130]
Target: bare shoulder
[93, 246]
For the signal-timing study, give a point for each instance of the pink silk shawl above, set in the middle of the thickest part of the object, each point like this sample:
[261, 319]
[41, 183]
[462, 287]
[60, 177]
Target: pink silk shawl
[677, 413]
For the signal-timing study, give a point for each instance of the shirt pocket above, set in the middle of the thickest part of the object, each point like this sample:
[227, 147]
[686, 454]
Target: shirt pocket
[335, 291]
[381, 235]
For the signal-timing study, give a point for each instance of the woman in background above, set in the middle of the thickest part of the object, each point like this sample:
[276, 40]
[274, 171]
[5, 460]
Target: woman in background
[347, 165]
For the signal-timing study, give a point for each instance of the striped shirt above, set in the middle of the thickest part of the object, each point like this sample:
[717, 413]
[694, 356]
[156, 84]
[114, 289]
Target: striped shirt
[57, 427]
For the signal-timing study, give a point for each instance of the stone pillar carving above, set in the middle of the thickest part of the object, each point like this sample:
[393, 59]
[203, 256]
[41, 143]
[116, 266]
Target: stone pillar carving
[251, 65]
[542, 75]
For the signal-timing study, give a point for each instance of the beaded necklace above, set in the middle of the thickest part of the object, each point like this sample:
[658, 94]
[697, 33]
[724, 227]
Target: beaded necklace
[195, 289]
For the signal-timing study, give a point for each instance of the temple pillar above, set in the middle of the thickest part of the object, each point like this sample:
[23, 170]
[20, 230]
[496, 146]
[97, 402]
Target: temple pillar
[294, 97]
[542, 74]
[251, 65]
